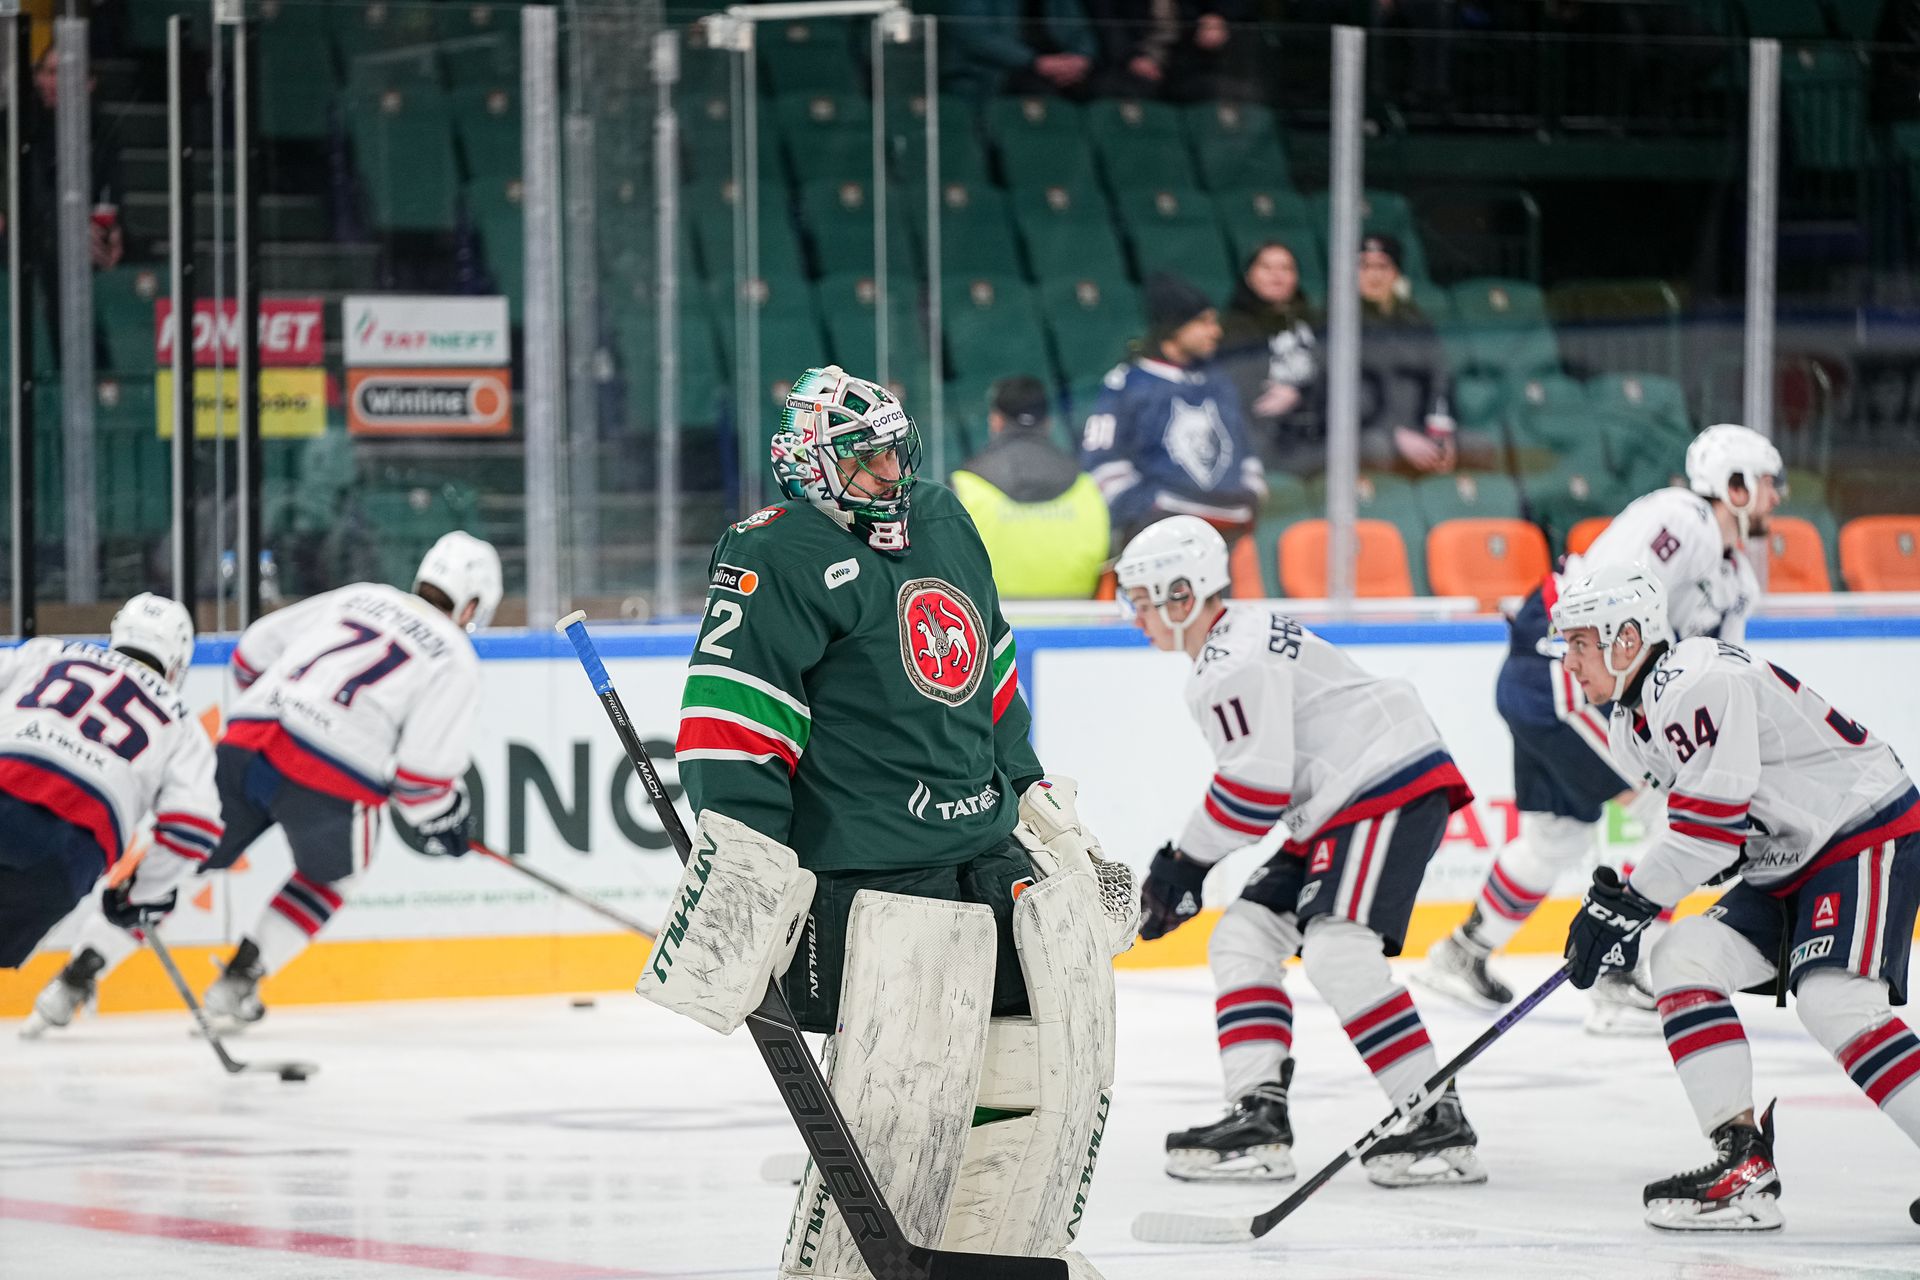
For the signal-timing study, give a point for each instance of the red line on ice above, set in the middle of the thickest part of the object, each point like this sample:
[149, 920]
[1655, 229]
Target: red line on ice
[283, 1240]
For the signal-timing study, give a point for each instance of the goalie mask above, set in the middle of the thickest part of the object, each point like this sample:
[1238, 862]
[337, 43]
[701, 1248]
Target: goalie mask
[847, 446]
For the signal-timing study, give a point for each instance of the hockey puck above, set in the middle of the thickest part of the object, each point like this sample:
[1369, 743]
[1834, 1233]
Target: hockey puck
[293, 1072]
[1913, 1211]
[583, 1003]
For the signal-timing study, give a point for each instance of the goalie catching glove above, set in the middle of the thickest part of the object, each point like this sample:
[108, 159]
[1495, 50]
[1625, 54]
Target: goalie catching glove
[1056, 838]
[732, 924]
[448, 834]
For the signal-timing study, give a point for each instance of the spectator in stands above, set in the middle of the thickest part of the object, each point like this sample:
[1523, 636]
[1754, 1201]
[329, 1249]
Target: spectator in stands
[1167, 435]
[108, 243]
[1406, 416]
[1016, 46]
[1041, 516]
[1270, 350]
[1177, 49]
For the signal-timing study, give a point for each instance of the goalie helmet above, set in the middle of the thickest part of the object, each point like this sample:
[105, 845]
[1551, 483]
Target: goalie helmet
[837, 435]
[1607, 600]
[1179, 558]
[151, 626]
[463, 568]
[1720, 454]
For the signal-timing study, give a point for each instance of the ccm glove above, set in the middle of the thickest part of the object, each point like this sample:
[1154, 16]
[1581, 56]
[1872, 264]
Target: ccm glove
[447, 835]
[1606, 933]
[122, 911]
[1171, 895]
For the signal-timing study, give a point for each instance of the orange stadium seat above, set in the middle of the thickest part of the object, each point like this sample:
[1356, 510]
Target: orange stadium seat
[1244, 565]
[1381, 569]
[1796, 557]
[1881, 553]
[1581, 536]
[1486, 558]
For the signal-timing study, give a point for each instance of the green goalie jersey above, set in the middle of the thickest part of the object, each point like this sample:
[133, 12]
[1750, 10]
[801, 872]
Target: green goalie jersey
[861, 707]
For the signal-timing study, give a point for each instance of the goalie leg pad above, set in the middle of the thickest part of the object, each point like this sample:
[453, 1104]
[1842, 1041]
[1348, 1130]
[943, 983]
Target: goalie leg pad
[1024, 1184]
[905, 1067]
[734, 923]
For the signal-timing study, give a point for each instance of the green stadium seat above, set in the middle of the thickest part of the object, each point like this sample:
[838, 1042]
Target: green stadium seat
[780, 252]
[963, 156]
[297, 104]
[1823, 99]
[360, 30]
[706, 140]
[1139, 143]
[1467, 495]
[486, 119]
[809, 57]
[136, 465]
[966, 400]
[827, 135]
[403, 152]
[123, 314]
[1562, 497]
[493, 207]
[1502, 325]
[976, 230]
[1041, 141]
[1238, 146]
[1066, 229]
[838, 214]
[993, 329]
[1092, 319]
[702, 375]
[849, 307]
[1650, 395]
[1175, 230]
[790, 336]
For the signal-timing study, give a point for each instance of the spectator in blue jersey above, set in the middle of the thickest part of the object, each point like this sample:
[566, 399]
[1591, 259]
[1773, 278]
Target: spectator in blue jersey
[1168, 435]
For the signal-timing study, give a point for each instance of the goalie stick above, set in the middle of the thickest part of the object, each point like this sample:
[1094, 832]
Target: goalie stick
[876, 1232]
[1194, 1228]
[285, 1070]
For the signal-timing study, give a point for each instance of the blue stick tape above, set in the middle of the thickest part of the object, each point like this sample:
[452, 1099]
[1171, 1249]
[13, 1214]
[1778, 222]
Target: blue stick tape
[575, 626]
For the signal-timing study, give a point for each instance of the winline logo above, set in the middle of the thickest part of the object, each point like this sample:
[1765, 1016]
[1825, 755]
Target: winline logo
[426, 401]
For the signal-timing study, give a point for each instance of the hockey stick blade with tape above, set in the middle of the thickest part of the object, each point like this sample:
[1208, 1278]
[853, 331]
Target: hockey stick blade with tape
[1195, 1228]
[876, 1232]
[285, 1070]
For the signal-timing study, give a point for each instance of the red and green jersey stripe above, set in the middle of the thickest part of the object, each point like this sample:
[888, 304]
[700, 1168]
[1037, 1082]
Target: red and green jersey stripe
[1006, 676]
[730, 715]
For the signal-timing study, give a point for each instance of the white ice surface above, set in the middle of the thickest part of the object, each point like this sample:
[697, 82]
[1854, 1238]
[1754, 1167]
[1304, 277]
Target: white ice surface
[528, 1138]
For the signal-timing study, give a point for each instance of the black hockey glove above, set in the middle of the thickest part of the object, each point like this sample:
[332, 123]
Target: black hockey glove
[447, 835]
[1606, 933]
[127, 914]
[1171, 895]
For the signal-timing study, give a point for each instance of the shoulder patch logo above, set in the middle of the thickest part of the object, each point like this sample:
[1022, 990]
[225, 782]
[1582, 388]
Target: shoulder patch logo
[941, 640]
[841, 572]
[742, 582]
[764, 516]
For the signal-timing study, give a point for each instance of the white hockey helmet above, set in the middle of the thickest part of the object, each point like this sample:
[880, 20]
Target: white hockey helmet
[155, 627]
[1722, 453]
[1607, 600]
[464, 568]
[1181, 557]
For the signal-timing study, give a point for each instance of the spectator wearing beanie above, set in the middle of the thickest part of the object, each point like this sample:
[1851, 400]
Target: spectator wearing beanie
[1406, 414]
[1042, 518]
[1272, 352]
[1167, 435]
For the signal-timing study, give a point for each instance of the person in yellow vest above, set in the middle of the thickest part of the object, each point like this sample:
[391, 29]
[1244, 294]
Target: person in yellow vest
[1042, 517]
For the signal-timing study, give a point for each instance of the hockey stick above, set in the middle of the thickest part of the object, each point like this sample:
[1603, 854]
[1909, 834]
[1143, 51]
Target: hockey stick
[573, 895]
[1194, 1228]
[285, 1070]
[877, 1234]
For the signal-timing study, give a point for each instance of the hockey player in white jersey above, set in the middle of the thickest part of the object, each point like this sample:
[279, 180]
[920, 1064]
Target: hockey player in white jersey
[1761, 776]
[351, 701]
[1354, 768]
[1695, 542]
[92, 741]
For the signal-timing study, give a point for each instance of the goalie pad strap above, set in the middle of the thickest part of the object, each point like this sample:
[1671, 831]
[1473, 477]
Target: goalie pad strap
[732, 923]
[915, 993]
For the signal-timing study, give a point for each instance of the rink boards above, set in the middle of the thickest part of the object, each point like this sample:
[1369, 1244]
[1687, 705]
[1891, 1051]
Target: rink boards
[551, 785]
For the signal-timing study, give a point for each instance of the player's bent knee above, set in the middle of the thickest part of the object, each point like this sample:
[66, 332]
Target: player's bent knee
[1556, 839]
[1343, 959]
[1836, 1006]
[734, 922]
[1694, 952]
[1251, 943]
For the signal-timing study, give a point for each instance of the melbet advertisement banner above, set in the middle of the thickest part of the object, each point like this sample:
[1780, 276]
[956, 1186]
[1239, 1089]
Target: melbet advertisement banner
[427, 365]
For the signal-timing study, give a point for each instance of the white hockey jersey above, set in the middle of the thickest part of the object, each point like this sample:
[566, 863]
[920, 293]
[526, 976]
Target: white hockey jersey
[103, 740]
[1751, 758]
[1301, 735]
[1711, 590]
[366, 693]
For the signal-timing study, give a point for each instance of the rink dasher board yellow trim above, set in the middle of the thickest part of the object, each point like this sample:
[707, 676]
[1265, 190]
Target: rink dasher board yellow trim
[561, 964]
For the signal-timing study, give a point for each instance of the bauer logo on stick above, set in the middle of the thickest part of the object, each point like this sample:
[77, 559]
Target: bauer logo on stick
[940, 640]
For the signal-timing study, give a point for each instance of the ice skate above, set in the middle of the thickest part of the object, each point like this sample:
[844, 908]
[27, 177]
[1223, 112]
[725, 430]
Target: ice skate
[1456, 967]
[1738, 1191]
[1251, 1143]
[1622, 1005]
[72, 989]
[233, 1001]
[1435, 1149]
